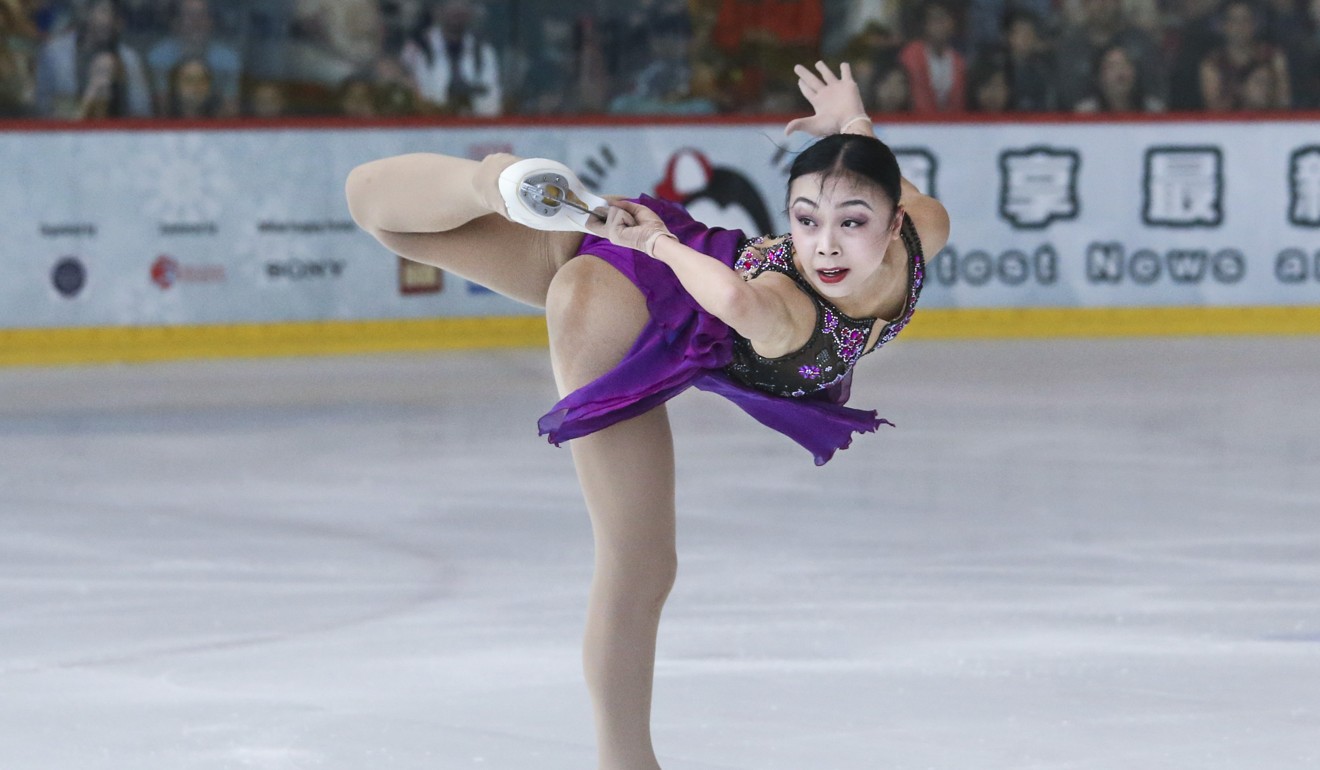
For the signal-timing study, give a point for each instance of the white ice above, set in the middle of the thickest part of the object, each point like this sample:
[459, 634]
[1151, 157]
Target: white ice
[1076, 555]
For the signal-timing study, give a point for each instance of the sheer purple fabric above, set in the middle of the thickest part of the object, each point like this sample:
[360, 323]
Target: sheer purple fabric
[684, 346]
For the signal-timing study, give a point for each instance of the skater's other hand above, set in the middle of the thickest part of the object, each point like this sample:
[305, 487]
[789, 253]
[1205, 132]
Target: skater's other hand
[632, 226]
[837, 102]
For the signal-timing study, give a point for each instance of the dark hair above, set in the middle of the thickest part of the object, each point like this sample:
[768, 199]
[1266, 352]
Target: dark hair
[885, 68]
[1138, 90]
[84, 22]
[866, 157]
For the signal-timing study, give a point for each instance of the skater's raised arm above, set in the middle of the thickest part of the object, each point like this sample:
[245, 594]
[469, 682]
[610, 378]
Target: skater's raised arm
[837, 109]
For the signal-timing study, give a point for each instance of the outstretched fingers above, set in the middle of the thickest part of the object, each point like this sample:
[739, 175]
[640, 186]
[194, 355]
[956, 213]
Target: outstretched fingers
[807, 91]
[810, 82]
[807, 80]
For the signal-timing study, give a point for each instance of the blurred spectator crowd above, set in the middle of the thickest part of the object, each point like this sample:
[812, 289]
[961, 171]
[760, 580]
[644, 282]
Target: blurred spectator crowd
[197, 59]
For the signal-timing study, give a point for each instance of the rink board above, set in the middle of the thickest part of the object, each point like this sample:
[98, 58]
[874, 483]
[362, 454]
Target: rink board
[222, 235]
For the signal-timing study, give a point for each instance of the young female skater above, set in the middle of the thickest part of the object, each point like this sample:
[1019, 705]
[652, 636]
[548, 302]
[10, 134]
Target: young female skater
[650, 303]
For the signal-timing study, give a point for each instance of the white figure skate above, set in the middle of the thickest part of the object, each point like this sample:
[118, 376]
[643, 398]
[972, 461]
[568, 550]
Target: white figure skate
[546, 195]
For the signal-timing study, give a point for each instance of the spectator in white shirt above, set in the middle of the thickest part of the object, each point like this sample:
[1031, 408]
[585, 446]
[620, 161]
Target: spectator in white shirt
[454, 68]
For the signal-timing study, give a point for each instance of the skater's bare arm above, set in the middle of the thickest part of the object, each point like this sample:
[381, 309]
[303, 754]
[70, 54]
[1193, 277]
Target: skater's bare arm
[770, 313]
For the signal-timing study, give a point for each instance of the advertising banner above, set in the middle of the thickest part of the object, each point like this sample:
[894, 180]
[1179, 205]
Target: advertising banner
[249, 225]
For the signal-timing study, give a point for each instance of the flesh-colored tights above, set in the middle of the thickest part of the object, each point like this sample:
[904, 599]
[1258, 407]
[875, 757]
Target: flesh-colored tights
[437, 210]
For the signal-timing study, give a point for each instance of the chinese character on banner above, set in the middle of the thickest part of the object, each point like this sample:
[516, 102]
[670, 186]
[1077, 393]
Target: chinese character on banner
[1304, 208]
[1037, 186]
[918, 165]
[1184, 187]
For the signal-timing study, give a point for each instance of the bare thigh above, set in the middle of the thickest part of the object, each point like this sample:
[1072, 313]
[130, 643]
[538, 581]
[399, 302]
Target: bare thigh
[503, 256]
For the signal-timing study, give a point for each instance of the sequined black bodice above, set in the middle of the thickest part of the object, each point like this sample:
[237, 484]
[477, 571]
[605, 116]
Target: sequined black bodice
[838, 340]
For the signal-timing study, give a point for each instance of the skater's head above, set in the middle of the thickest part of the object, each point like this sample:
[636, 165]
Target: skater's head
[864, 157]
[844, 212]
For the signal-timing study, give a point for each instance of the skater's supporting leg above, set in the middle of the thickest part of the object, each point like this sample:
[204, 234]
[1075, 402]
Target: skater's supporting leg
[627, 477]
[447, 212]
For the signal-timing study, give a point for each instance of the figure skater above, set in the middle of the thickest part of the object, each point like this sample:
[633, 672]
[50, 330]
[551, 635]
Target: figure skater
[642, 302]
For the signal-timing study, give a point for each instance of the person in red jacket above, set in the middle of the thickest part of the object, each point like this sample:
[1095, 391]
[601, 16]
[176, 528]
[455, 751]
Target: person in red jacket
[761, 40]
[937, 73]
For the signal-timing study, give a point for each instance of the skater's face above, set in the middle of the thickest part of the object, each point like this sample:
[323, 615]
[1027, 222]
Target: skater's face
[842, 226]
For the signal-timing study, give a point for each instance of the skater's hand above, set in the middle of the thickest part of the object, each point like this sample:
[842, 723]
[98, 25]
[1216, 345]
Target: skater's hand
[836, 101]
[632, 226]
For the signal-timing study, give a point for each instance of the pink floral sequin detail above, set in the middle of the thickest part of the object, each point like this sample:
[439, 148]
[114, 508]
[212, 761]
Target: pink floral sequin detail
[755, 257]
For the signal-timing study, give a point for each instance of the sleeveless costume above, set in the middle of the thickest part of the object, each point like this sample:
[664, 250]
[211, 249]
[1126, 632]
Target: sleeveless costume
[801, 394]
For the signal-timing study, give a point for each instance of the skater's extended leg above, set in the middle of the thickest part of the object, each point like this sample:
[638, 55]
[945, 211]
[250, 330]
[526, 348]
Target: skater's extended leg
[447, 212]
[627, 477]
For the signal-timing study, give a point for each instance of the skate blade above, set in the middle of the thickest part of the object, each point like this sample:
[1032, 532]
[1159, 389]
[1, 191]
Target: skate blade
[552, 196]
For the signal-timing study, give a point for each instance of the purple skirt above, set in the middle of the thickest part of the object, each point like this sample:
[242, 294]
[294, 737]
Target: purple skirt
[684, 346]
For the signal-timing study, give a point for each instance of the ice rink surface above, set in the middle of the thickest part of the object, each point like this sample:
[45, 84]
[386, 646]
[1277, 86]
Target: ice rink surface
[1080, 555]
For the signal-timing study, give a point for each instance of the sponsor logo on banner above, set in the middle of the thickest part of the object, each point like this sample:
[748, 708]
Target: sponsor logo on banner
[306, 227]
[417, 278]
[189, 228]
[599, 166]
[68, 230]
[1184, 187]
[305, 269]
[718, 196]
[167, 271]
[69, 276]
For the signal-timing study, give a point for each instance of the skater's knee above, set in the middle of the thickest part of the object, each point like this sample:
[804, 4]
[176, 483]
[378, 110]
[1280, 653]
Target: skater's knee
[594, 315]
[638, 585]
[588, 293]
[568, 302]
